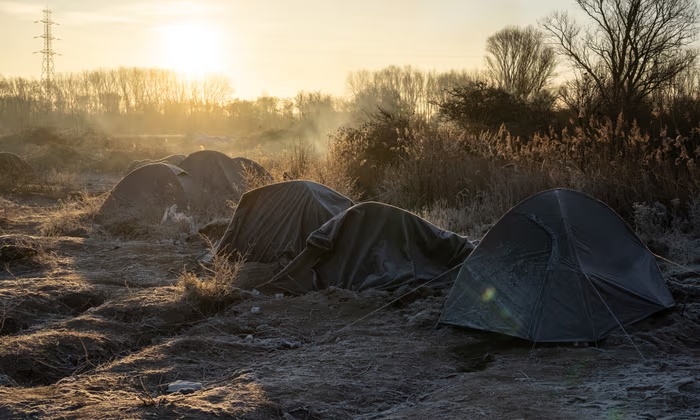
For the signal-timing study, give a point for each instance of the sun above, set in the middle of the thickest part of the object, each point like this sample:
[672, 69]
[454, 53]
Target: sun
[192, 49]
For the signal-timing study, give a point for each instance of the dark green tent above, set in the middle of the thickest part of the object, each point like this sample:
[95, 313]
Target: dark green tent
[559, 267]
[148, 191]
[271, 223]
[220, 178]
[373, 246]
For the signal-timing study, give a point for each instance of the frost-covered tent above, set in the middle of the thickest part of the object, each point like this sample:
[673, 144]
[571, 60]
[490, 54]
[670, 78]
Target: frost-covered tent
[220, 178]
[559, 267]
[271, 223]
[373, 246]
[148, 191]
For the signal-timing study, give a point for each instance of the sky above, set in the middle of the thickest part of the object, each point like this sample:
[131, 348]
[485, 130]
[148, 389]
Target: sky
[274, 47]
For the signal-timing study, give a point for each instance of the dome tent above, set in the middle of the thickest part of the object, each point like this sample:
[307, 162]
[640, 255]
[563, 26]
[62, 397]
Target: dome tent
[373, 246]
[271, 223]
[220, 178]
[147, 192]
[170, 160]
[561, 266]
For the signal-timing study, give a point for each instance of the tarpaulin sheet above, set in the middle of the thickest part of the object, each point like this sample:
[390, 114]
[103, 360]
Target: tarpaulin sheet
[271, 223]
[374, 246]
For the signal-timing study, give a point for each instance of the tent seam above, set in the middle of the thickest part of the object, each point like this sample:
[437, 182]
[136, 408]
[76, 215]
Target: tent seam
[553, 255]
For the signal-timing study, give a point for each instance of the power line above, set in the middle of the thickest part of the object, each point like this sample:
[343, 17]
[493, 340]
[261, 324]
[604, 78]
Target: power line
[47, 67]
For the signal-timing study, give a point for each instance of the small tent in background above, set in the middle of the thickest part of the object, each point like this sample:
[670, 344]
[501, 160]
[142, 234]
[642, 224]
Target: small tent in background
[373, 246]
[559, 267]
[220, 178]
[14, 171]
[175, 160]
[148, 191]
[272, 223]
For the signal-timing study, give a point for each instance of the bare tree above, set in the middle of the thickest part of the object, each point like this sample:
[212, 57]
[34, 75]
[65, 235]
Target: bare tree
[630, 49]
[581, 96]
[397, 90]
[519, 61]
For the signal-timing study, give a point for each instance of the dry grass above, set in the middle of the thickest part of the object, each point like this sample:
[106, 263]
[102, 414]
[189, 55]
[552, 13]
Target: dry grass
[54, 180]
[73, 217]
[23, 302]
[455, 190]
[253, 179]
[613, 161]
[298, 162]
[445, 166]
[473, 215]
[671, 232]
[335, 174]
[303, 161]
[462, 220]
[290, 162]
[20, 253]
[215, 291]
[45, 357]
[9, 212]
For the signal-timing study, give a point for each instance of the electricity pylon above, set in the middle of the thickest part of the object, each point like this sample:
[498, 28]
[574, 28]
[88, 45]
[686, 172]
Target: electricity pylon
[47, 69]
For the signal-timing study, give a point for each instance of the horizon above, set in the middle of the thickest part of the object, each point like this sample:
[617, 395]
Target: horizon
[263, 48]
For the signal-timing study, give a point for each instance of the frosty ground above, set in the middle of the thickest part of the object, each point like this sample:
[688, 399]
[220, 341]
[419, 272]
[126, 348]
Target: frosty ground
[96, 327]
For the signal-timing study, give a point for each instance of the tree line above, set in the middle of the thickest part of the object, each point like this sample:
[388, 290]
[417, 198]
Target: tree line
[146, 100]
[629, 61]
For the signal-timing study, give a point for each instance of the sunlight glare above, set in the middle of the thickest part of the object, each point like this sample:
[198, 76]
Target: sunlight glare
[191, 49]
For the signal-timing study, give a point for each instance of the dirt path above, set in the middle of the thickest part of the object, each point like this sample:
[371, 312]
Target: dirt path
[97, 328]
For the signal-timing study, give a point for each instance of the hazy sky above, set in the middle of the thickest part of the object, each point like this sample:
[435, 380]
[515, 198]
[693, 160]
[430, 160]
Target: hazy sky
[273, 46]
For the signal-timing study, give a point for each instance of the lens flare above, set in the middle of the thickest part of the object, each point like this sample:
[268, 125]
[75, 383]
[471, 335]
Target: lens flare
[488, 295]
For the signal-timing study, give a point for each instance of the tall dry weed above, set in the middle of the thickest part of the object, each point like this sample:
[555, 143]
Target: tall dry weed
[473, 213]
[216, 289]
[439, 169]
[670, 231]
[253, 179]
[302, 161]
[612, 160]
[336, 175]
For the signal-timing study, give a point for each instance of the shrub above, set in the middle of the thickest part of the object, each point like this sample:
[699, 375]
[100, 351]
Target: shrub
[478, 106]
[381, 141]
